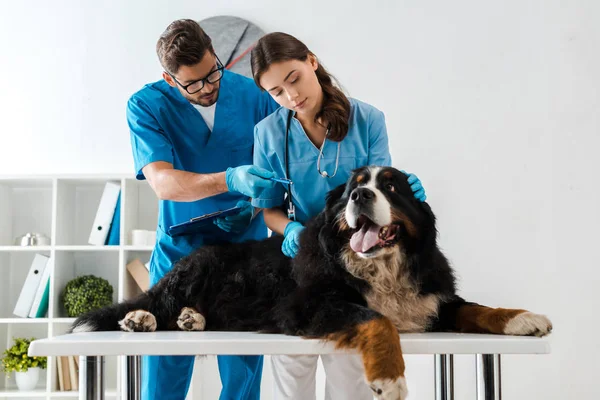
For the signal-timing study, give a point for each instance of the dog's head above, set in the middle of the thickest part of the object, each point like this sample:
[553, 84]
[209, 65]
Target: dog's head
[377, 214]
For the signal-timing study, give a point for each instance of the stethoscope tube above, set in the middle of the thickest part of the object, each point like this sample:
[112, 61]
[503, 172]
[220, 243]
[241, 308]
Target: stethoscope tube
[291, 208]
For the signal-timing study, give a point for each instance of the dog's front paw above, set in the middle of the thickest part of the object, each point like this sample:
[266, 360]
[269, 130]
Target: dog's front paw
[138, 321]
[388, 389]
[190, 320]
[528, 324]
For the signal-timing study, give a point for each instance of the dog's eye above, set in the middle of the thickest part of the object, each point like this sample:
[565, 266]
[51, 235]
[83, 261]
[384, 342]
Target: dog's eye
[390, 187]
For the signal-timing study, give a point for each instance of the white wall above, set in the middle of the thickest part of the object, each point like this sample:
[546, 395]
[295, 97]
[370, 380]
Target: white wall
[495, 105]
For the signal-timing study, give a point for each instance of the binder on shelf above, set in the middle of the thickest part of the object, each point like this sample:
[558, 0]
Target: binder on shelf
[39, 307]
[139, 273]
[105, 213]
[64, 366]
[29, 289]
[59, 373]
[113, 236]
[73, 375]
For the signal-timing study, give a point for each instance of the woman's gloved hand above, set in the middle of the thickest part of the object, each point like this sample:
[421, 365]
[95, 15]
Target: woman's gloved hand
[239, 222]
[249, 180]
[291, 243]
[416, 186]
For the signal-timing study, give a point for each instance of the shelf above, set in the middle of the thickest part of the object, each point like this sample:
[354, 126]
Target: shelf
[77, 202]
[34, 249]
[70, 393]
[64, 207]
[42, 393]
[87, 248]
[25, 206]
[140, 206]
[23, 394]
[70, 264]
[104, 248]
[36, 320]
[8, 332]
[64, 320]
[24, 320]
[110, 393]
[138, 248]
[25, 248]
[14, 267]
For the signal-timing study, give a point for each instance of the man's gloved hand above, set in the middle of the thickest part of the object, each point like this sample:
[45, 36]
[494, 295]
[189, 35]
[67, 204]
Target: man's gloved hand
[239, 222]
[416, 186]
[291, 242]
[249, 180]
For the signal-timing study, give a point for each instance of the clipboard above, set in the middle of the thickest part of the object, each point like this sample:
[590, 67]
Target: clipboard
[202, 224]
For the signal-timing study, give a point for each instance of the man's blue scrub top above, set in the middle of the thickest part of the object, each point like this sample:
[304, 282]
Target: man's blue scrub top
[166, 127]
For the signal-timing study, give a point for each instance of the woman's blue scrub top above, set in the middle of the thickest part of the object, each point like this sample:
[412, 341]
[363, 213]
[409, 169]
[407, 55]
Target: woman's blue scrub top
[365, 144]
[164, 126]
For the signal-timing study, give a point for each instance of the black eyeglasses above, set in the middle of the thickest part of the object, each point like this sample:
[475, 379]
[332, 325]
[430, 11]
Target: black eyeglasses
[213, 77]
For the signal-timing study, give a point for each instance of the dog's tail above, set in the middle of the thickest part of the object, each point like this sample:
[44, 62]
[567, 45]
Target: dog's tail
[107, 318]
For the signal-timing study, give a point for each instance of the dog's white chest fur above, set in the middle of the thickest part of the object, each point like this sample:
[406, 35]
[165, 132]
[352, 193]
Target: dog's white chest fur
[408, 311]
[393, 294]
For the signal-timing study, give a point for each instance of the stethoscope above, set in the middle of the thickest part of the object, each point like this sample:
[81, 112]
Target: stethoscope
[291, 208]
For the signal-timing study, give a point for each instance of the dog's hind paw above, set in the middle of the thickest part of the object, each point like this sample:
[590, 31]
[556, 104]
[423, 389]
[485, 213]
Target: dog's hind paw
[138, 321]
[190, 320]
[388, 389]
[528, 324]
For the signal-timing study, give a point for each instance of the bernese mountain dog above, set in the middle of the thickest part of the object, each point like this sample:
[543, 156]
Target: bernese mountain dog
[368, 268]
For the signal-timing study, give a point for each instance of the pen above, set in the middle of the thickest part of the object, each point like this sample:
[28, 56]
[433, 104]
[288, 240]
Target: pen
[283, 181]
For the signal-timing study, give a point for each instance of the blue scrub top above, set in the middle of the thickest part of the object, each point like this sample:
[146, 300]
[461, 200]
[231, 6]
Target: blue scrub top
[365, 144]
[164, 126]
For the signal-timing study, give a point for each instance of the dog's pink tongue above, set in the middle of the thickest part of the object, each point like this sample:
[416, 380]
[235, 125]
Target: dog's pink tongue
[366, 238]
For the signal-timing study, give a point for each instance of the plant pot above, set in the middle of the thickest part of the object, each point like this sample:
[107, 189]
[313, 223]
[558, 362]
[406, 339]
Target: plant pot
[27, 380]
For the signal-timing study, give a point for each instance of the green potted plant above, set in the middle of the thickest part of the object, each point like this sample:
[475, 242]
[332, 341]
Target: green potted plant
[86, 293]
[26, 369]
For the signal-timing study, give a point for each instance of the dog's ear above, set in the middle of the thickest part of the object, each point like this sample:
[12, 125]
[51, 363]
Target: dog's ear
[327, 241]
[331, 203]
[334, 195]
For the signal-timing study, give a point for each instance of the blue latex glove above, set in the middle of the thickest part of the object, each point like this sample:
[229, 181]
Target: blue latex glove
[249, 180]
[239, 222]
[291, 242]
[416, 186]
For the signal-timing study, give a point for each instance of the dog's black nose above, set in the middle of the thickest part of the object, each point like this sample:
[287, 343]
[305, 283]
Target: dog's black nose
[362, 195]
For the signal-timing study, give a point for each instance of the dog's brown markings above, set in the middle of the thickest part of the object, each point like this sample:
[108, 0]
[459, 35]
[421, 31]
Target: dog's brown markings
[378, 342]
[341, 222]
[360, 178]
[410, 227]
[481, 319]
[388, 174]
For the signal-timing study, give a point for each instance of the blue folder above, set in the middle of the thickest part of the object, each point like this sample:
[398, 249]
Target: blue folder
[112, 238]
[203, 224]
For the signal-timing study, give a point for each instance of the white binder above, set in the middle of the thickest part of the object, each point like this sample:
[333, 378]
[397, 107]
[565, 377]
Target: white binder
[41, 289]
[32, 281]
[105, 213]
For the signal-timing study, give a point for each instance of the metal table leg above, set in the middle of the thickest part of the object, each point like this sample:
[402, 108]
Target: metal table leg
[444, 377]
[134, 374]
[93, 373]
[489, 382]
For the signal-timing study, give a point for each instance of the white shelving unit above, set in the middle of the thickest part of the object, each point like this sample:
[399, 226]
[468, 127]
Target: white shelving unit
[63, 208]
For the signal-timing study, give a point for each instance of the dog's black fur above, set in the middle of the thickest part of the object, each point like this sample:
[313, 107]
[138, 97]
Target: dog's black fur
[252, 286]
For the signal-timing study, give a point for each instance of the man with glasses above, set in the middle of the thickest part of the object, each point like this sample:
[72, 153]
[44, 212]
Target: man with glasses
[192, 135]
